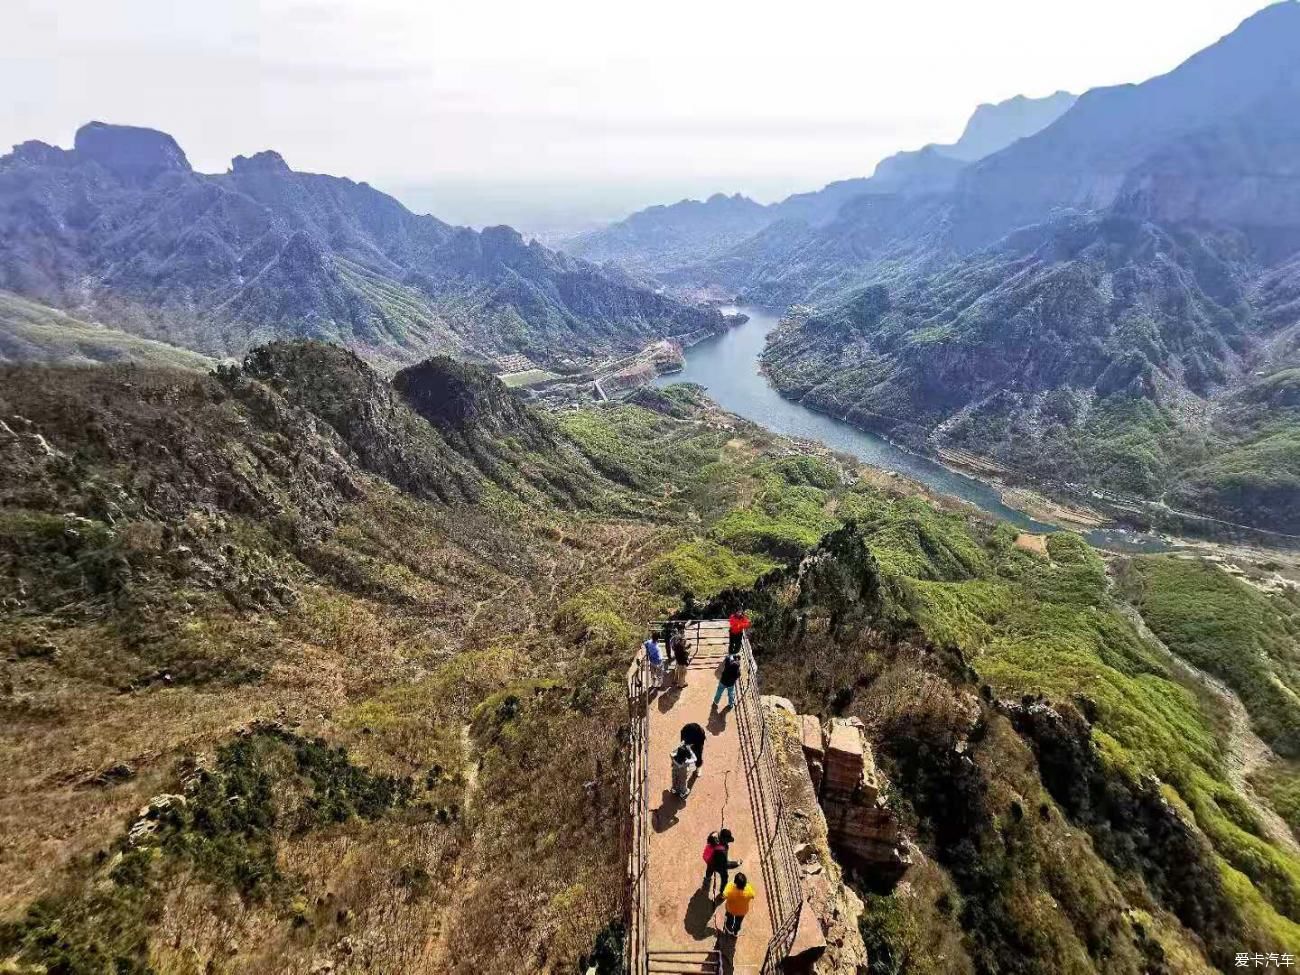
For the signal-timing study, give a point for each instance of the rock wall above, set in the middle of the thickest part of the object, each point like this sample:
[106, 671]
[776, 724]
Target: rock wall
[828, 941]
[863, 831]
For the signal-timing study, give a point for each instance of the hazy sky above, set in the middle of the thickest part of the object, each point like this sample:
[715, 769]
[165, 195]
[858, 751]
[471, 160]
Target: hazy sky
[476, 107]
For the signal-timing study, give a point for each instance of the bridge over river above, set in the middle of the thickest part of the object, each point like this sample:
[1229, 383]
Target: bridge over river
[674, 926]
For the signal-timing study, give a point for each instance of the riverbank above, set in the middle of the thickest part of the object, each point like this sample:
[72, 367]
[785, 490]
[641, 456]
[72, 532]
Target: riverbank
[1091, 513]
[728, 366]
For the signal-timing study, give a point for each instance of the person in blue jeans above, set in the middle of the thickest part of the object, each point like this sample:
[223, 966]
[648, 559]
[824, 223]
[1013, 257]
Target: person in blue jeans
[727, 680]
[655, 657]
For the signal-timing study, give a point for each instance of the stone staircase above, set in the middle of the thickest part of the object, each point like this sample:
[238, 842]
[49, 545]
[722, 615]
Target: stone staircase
[684, 963]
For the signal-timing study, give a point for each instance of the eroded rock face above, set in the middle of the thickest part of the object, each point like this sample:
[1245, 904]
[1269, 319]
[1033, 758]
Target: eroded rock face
[814, 749]
[828, 940]
[863, 831]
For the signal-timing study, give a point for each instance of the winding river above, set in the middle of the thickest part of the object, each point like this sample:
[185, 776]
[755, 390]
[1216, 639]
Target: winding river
[727, 365]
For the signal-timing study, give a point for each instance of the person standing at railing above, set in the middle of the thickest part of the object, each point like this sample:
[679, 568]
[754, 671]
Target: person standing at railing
[727, 678]
[655, 658]
[737, 896]
[680, 651]
[737, 624]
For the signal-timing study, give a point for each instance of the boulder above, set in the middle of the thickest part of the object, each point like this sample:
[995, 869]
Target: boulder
[775, 701]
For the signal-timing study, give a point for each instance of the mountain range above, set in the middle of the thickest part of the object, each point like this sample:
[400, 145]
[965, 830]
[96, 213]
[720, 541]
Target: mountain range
[120, 230]
[299, 660]
[318, 661]
[1103, 305]
[664, 239]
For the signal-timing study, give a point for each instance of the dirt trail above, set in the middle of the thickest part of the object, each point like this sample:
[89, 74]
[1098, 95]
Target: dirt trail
[1246, 753]
[437, 951]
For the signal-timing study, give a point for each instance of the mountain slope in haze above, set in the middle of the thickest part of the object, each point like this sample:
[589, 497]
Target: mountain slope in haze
[1103, 351]
[683, 232]
[935, 168]
[30, 332]
[121, 229]
[994, 126]
[1242, 171]
[668, 239]
[1229, 108]
[873, 236]
[1141, 348]
[1084, 158]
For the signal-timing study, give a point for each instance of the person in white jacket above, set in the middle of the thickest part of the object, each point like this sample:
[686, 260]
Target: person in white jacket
[683, 768]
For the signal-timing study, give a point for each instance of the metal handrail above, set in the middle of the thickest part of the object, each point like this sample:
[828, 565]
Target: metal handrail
[776, 852]
[636, 840]
[688, 624]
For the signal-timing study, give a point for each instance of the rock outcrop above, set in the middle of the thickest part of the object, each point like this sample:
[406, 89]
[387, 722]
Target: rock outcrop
[827, 941]
[863, 831]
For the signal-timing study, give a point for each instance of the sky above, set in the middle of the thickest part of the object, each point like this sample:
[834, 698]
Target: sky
[555, 115]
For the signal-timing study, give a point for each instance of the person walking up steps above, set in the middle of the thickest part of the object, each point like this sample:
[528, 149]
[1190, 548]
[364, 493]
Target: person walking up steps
[727, 680]
[737, 624]
[737, 895]
[683, 766]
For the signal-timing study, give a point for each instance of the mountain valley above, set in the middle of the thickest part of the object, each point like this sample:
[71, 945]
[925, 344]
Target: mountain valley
[329, 533]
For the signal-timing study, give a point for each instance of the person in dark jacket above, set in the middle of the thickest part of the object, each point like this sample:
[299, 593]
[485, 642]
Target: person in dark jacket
[681, 654]
[718, 860]
[727, 680]
[694, 736]
[683, 768]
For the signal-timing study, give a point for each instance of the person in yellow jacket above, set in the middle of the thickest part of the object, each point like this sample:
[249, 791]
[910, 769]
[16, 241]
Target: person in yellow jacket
[739, 894]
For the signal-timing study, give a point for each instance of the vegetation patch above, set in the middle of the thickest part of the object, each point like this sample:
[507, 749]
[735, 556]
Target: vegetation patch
[221, 825]
[1141, 768]
[1248, 639]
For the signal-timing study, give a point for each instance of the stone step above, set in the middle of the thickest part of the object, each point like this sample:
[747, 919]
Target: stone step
[683, 962]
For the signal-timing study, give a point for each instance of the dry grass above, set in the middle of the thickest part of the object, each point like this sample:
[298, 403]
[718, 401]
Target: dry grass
[394, 677]
[1033, 544]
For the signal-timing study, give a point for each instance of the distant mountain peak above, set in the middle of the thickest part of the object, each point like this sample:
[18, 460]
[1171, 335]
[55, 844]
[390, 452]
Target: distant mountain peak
[36, 152]
[132, 153]
[266, 161]
[722, 198]
[995, 125]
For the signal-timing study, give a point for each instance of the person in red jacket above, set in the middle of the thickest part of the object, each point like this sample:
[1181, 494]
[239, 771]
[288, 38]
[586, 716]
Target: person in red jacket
[736, 626]
[717, 860]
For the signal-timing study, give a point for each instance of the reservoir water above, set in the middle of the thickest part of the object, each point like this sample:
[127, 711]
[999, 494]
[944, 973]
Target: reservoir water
[727, 365]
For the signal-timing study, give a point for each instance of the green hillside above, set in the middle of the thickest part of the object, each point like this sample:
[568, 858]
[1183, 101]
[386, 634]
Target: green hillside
[30, 332]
